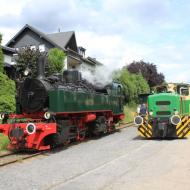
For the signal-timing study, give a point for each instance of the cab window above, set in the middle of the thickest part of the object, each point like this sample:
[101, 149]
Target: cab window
[183, 90]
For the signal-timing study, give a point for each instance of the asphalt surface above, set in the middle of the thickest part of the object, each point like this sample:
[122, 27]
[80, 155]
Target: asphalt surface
[118, 161]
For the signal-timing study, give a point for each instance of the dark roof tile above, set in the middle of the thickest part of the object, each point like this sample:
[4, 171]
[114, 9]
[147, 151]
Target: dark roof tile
[61, 38]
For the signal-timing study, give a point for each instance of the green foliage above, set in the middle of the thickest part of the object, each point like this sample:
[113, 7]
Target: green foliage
[27, 59]
[4, 141]
[56, 59]
[148, 70]
[7, 94]
[1, 57]
[7, 89]
[133, 84]
[130, 112]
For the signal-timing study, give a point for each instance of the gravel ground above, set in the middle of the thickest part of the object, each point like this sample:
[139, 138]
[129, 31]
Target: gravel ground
[118, 161]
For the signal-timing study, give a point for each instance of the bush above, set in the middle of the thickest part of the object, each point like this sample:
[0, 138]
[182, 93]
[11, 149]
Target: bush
[7, 94]
[4, 141]
[133, 85]
[56, 59]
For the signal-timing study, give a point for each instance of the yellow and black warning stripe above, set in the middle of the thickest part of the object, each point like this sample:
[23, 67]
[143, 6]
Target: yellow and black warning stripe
[145, 130]
[183, 128]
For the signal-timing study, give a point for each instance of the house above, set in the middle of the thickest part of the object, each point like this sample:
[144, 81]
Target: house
[8, 61]
[89, 64]
[66, 41]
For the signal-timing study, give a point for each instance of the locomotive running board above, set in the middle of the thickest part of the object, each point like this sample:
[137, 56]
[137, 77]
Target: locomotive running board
[183, 128]
[145, 129]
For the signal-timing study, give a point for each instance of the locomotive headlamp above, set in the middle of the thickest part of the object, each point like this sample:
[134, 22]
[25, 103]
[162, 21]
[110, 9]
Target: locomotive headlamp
[138, 109]
[175, 111]
[175, 119]
[31, 128]
[26, 72]
[2, 116]
[138, 120]
[150, 112]
[47, 115]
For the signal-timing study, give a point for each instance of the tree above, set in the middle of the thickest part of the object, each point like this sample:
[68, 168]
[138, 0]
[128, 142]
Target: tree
[7, 89]
[133, 85]
[1, 57]
[56, 59]
[27, 59]
[148, 71]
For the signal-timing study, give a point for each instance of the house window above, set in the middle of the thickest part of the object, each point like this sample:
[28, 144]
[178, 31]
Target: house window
[33, 47]
[42, 47]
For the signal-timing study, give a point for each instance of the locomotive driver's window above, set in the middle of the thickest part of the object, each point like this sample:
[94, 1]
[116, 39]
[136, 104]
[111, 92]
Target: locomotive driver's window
[161, 89]
[183, 90]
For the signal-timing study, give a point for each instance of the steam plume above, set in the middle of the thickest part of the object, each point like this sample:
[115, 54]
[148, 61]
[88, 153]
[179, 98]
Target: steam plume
[101, 77]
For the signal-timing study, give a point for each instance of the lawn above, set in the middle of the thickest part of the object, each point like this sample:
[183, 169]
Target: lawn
[130, 112]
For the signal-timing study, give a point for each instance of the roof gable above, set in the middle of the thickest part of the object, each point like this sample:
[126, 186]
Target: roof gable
[28, 27]
[64, 39]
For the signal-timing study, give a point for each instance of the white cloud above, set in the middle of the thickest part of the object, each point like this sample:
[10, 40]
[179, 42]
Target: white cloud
[12, 7]
[8, 33]
[114, 32]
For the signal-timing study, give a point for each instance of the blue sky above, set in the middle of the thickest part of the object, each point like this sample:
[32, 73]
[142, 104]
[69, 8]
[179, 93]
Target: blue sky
[116, 32]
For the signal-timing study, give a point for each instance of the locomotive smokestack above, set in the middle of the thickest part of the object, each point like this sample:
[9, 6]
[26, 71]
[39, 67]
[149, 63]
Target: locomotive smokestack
[41, 67]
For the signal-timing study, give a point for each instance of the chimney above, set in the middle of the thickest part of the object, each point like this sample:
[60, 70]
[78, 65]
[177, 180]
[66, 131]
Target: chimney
[41, 67]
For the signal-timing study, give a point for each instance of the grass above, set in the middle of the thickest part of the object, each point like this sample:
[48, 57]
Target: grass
[4, 141]
[130, 112]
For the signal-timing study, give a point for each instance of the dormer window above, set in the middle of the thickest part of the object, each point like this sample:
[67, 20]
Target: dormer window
[81, 51]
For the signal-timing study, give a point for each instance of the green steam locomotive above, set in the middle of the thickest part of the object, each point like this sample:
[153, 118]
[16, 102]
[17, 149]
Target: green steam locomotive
[59, 109]
[168, 113]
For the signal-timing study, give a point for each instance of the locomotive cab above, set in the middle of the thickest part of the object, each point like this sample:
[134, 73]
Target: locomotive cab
[168, 113]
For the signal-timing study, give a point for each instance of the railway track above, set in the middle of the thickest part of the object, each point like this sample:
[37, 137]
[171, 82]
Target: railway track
[10, 158]
[13, 157]
[124, 125]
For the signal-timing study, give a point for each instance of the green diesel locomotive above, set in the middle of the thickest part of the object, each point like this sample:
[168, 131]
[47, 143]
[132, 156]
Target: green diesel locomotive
[168, 113]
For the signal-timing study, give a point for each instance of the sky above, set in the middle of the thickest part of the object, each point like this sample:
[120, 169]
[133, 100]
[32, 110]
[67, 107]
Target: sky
[115, 32]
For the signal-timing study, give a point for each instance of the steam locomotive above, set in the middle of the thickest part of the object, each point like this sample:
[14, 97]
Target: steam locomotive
[168, 114]
[59, 109]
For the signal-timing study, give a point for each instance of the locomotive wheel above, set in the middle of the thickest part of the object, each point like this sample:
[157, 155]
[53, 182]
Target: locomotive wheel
[81, 135]
[62, 135]
[100, 126]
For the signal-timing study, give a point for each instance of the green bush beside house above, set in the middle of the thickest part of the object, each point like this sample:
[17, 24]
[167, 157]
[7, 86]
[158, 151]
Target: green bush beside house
[7, 88]
[7, 96]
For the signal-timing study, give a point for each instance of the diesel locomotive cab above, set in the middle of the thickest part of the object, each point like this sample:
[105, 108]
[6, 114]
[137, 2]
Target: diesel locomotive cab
[164, 110]
[168, 113]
